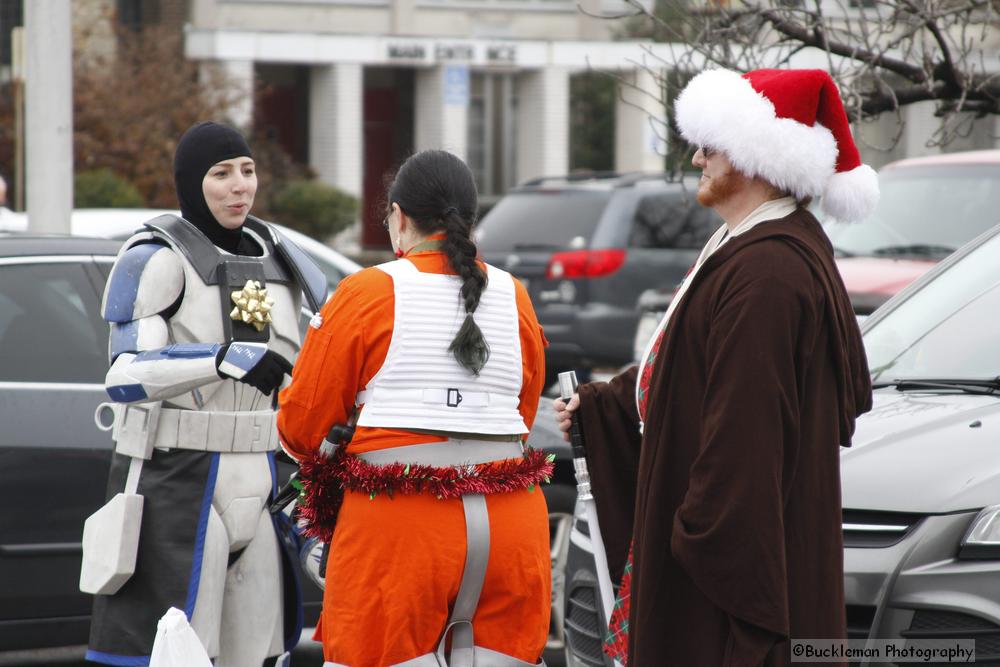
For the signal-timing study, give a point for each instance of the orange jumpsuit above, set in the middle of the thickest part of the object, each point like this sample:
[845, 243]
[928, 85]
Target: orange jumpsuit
[395, 563]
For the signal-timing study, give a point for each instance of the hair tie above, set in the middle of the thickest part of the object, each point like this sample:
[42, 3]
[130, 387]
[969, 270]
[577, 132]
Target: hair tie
[449, 210]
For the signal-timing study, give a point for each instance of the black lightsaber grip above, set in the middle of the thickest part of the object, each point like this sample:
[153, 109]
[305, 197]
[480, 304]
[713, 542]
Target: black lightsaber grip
[567, 387]
[285, 495]
[576, 437]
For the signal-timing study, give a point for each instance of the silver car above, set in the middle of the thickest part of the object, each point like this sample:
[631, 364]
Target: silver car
[921, 485]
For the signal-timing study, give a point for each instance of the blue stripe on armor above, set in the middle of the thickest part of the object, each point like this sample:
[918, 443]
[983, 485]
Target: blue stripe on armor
[245, 356]
[199, 542]
[124, 284]
[274, 473]
[284, 524]
[127, 393]
[121, 660]
[180, 351]
[124, 338]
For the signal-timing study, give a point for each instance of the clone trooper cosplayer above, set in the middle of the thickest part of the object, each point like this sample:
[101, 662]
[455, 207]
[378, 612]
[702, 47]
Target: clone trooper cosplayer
[204, 316]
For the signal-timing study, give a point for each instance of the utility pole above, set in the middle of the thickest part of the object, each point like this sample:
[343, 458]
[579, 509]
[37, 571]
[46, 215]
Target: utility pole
[49, 114]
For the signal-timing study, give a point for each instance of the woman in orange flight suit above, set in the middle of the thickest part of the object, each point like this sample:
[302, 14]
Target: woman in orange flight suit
[449, 355]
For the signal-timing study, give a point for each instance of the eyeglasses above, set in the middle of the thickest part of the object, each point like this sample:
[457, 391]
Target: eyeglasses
[706, 151]
[385, 222]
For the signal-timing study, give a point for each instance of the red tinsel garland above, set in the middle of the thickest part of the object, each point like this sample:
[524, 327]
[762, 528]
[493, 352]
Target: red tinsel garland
[324, 480]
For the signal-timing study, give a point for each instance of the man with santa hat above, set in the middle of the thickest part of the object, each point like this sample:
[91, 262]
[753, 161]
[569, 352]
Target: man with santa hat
[715, 462]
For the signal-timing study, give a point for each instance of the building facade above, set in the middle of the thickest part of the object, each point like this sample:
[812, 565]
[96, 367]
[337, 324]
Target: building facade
[351, 87]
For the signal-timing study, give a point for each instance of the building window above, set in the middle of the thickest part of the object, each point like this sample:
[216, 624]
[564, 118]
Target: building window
[130, 14]
[11, 16]
[492, 139]
[281, 112]
[139, 14]
[592, 121]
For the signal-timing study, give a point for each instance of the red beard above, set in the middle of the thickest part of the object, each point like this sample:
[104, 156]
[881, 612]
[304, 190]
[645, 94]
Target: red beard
[720, 188]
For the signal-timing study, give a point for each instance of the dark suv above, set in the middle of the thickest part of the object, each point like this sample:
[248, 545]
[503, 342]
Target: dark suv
[586, 246]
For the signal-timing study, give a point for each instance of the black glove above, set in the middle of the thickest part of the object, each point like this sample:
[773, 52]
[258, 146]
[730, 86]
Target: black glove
[266, 375]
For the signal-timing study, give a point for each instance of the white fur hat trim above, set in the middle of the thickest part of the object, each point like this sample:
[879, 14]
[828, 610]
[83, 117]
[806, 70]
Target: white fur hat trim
[720, 109]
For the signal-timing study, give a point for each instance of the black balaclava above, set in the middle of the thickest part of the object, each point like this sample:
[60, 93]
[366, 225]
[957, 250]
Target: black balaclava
[203, 145]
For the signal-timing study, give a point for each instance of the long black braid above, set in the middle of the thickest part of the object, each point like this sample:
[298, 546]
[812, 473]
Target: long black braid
[437, 191]
[469, 346]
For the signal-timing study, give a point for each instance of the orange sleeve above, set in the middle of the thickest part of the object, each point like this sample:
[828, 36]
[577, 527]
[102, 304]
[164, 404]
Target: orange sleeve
[533, 346]
[331, 366]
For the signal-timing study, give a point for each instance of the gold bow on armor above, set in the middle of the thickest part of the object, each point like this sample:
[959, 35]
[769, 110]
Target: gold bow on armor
[253, 305]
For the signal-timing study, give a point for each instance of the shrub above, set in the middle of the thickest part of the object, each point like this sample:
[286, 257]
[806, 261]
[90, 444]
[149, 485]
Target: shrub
[102, 188]
[314, 208]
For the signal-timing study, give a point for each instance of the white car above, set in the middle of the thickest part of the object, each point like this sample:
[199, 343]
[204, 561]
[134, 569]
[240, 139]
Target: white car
[921, 484]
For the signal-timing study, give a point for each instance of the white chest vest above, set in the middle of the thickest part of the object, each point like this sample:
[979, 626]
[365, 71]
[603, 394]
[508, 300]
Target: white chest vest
[420, 385]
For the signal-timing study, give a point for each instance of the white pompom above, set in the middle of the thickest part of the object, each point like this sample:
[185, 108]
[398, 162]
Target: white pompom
[851, 196]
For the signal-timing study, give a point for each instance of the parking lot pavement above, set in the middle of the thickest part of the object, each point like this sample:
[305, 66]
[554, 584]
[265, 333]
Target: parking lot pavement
[307, 654]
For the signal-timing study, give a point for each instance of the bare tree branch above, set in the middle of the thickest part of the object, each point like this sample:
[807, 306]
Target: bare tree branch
[818, 39]
[884, 55]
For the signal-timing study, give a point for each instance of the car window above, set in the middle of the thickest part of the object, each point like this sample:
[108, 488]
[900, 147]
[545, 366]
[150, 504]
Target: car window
[672, 220]
[948, 329]
[333, 274]
[50, 325]
[542, 220]
[925, 211]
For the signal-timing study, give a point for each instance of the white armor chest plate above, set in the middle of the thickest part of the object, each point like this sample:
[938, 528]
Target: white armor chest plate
[421, 385]
[199, 320]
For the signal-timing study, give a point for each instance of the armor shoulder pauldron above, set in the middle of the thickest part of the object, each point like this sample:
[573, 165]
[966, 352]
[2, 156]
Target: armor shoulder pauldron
[310, 278]
[147, 279]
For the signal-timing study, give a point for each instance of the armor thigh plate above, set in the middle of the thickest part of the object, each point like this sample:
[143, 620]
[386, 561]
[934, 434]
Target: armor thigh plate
[242, 487]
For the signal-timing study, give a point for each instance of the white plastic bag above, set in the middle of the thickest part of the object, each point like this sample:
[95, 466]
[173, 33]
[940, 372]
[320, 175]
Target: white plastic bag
[176, 644]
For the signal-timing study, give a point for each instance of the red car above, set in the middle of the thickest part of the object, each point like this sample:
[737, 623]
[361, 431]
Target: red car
[929, 207]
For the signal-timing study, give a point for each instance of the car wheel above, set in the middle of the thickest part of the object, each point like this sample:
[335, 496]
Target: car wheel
[561, 500]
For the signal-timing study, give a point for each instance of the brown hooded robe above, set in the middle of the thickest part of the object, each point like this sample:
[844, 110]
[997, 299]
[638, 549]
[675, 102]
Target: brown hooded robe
[733, 492]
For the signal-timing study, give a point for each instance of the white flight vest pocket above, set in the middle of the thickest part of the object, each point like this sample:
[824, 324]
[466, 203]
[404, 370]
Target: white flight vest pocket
[110, 544]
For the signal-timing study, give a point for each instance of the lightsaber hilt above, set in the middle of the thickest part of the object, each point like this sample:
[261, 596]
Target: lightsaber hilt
[567, 387]
[340, 434]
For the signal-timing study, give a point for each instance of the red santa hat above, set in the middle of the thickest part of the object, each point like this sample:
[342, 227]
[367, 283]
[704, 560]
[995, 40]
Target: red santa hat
[785, 126]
